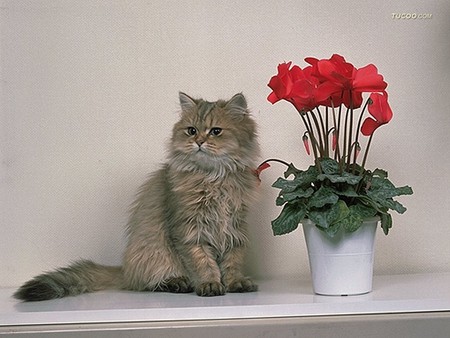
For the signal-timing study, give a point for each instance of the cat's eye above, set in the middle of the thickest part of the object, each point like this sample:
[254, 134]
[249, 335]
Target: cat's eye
[215, 131]
[191, 131]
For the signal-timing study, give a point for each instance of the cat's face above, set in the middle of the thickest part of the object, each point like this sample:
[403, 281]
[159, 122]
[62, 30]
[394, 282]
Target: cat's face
[214, 134]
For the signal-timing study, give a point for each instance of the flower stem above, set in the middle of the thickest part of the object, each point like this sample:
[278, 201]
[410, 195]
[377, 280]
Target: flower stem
[350, 132]
[275, 160]
[327, 134]
[323, 133]
[314, 143]
[345, 147]
[336, 129]
[359, 126]
[366, 152]
[316, 123]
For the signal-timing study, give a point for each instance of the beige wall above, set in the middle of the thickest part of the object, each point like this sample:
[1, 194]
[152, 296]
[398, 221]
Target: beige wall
[89, 94]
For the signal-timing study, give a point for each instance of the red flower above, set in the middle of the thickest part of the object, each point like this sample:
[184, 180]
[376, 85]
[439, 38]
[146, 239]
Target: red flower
[326, 82]
[337, 74]
[298, 86]
[380, 110]
[335, 69]
[283, 82]
[304, 91]
[346, 82]
[367, 79]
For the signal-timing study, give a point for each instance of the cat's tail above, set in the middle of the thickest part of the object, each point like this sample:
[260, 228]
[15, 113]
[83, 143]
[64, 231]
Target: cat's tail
[81, 277]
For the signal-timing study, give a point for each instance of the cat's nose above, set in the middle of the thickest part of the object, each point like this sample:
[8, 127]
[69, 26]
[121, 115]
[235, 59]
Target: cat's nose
[200, 140]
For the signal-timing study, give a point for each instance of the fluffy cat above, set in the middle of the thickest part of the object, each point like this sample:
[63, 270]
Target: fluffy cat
[187, 229]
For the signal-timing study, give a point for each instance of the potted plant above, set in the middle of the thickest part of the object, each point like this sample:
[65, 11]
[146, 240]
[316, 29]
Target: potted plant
[338, 201]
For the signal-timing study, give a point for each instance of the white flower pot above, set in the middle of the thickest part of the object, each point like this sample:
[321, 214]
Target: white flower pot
[342, 265]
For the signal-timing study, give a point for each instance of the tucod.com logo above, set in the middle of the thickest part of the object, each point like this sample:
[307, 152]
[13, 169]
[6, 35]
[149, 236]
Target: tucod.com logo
[411, 16]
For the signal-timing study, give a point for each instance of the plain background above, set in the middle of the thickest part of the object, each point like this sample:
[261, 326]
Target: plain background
[89, 94]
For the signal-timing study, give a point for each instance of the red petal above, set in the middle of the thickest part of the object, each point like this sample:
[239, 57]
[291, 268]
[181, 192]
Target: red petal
[312, 61]
[303, 89]
[327, 69]
[367, 79]
[380, 108]
[273, 98]
[261, 167]
[336, 58]
[296, 73]
[278, 87]
[327, 89]
[368, 127]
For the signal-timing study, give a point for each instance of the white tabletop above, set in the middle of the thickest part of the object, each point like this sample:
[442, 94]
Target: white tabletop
[287, 298]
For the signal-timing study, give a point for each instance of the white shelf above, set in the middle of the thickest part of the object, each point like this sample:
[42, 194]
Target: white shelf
[397, 294]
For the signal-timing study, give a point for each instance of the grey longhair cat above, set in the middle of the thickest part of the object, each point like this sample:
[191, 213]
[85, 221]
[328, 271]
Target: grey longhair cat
[187, 229]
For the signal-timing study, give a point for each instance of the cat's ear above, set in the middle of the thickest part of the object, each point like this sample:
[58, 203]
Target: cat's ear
[237, 103]
[187, 103]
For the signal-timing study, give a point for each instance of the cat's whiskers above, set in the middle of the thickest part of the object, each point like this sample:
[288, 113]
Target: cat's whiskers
[212, 166]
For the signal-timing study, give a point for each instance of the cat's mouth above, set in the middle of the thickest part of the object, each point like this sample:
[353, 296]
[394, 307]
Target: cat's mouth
[201, 149]
[204, 152]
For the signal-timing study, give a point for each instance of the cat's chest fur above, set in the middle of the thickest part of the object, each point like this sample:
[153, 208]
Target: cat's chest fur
[211, 211]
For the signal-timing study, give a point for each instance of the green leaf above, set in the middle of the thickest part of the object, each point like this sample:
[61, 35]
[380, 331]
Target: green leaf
[289, 218]
[382, 192]
[394, 205]
[380, 173]
[381, 189]
[305, 178]
[345, 177]
[348, 191]
[357, 213]
[279, 201]
[352, 222]
[372, 204]
[327, 216]
[323, 196]
[329, 166]
[386, 222]
[364, 211]
[339, 211]
[285, 185]
[297, 194]
[406, 190]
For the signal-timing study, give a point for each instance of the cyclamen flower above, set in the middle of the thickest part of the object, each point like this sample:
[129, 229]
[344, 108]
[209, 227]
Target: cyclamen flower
[380, 110]
[283, 82]
[333, 82]
[346, 82]
[298, 86]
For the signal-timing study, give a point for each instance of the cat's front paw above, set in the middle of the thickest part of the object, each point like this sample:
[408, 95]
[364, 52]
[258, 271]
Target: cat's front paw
[242, 285]
[176, 285]
[210, 289]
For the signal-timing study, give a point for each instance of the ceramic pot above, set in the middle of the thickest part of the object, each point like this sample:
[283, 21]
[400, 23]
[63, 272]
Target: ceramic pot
[342, 265]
